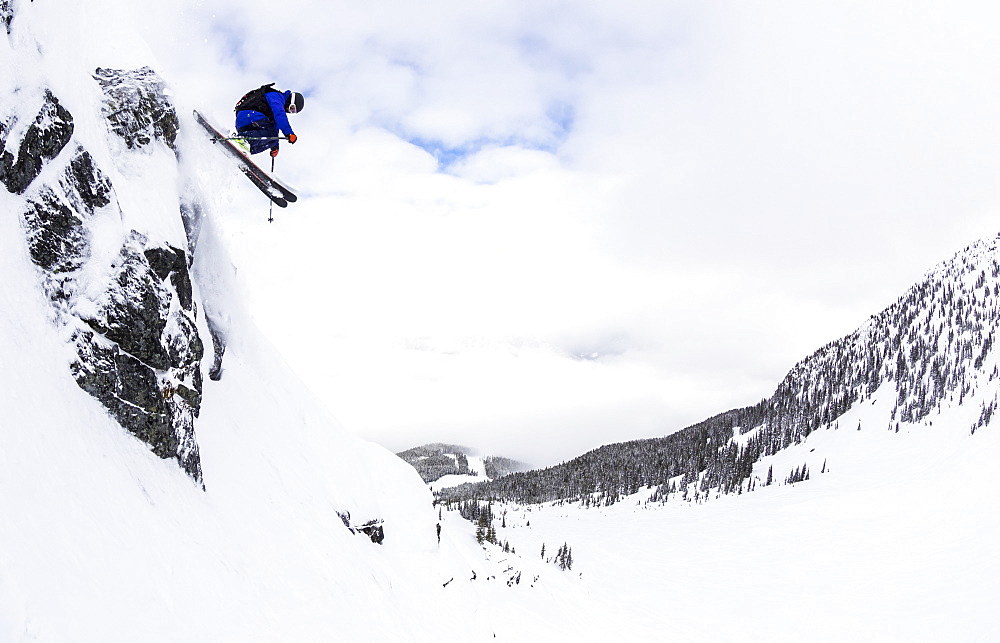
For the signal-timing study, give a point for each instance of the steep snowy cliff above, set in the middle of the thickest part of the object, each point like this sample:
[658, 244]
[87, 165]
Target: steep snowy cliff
[95, 175]
[142, 499]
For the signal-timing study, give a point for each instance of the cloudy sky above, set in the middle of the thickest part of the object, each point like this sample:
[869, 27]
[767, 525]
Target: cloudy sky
[538, 227]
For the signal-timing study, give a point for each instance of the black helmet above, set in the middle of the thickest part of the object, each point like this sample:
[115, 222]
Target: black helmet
[294, 103]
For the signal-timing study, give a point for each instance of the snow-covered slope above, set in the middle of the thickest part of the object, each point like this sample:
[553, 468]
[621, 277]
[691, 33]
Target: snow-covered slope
[163, 476]
[890, 536]
[931, 351]
[856, 503]
[895, 542]
[108, 533]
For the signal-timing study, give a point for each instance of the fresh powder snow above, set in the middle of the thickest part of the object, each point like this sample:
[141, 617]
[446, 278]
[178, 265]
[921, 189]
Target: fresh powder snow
[891, 537]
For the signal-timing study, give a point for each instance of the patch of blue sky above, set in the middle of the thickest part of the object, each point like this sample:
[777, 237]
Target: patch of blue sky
[560, 117]
[540, 54]
[447, 155]
[231, 39]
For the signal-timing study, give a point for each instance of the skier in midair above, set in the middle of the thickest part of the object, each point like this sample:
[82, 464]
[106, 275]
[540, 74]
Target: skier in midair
[261, 115]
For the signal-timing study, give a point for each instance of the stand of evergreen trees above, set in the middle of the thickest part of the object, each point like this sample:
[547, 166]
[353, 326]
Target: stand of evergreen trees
[930, 347]
[497, 466]
[434, 461]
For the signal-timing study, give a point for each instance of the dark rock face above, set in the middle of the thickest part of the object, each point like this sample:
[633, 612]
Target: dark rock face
[57, 238]
[128, 388]
[219, 348]
[192, 216]
[138, 317]
[373, 529]
[138, 348]
[6, 14]
[134, 312]
[171, 262]
[136, 108]
[139, 400]
[90, 186]
[44, 139]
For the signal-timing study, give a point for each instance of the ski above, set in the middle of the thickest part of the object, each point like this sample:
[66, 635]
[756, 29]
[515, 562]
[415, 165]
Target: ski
[274, 189]
[263, 186]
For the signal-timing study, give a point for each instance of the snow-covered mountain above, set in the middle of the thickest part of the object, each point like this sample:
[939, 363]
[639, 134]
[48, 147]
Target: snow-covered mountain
[447, 465]
[930, 352]
[150, 490]
[164, 476]
[856, 503]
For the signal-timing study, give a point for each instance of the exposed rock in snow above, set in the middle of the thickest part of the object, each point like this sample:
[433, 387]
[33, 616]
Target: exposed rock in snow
[131, 314]
[136, 108]
[44, 138]
[6, 14]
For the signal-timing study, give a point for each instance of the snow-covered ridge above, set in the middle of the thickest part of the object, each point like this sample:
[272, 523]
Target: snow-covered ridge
[119, 299]
[930, 351]
[935, 344]
[449, 465]
[110, 233]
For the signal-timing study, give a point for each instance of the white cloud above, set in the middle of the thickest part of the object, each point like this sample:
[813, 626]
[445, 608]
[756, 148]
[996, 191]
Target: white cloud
[701, 194]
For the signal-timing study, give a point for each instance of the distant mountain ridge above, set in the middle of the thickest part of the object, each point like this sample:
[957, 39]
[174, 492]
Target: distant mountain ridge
[933, 347]
[436, 460]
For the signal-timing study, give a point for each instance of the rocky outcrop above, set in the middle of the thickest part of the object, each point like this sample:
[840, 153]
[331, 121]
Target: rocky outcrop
[45, 137]
[142, 358]
[132, 315]
[373, 528]
[6, 14]
[218, 346]
[57, 237]
[136, 108]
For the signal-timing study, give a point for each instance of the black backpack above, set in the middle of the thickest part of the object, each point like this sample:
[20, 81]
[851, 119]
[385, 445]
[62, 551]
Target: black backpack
[256, 100]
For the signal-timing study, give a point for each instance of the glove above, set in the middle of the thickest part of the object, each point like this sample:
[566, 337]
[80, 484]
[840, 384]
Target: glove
[292, 138]
[274, 152]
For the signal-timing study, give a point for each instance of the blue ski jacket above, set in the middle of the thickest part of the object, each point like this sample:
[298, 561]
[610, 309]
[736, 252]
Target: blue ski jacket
[252, 119]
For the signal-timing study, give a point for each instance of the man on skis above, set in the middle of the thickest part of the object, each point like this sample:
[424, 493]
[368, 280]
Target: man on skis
[261, 115]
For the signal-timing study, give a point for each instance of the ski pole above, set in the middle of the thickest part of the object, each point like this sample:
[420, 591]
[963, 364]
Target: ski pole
[250, 138]
[270, 211]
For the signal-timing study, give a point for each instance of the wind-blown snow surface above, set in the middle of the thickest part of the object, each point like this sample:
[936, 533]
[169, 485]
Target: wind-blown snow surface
[896, 541]
[102, 540]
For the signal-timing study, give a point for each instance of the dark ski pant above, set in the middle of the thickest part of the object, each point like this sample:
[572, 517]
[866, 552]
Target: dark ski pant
[257, 130]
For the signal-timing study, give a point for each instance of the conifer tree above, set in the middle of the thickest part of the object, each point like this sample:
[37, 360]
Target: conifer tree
[483, 528]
